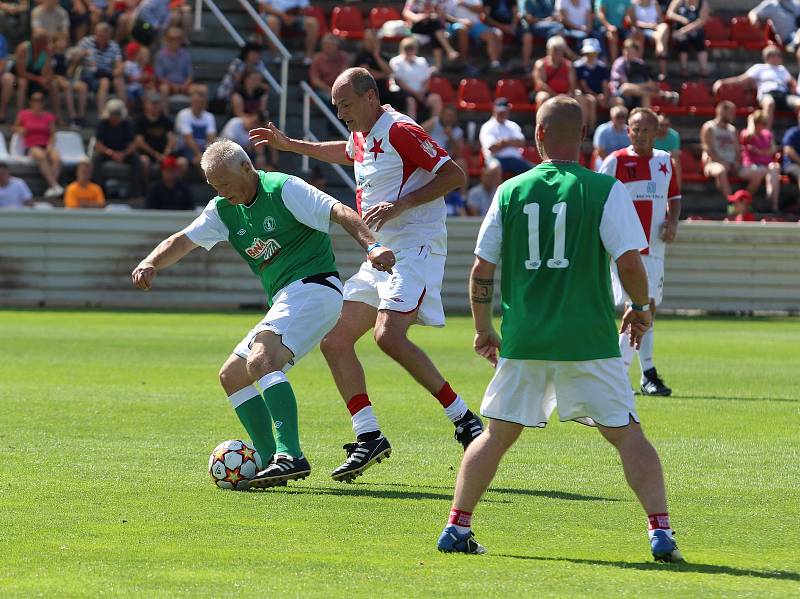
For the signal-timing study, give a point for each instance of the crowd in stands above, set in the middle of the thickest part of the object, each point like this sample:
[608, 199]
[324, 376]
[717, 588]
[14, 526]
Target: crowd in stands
[154, 120]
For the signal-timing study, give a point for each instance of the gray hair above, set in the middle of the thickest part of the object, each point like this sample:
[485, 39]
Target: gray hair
[223, 153]
[361, 80]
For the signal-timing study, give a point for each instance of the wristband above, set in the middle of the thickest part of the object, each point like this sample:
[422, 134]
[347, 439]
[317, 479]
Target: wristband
[638, 308]
[373, 246]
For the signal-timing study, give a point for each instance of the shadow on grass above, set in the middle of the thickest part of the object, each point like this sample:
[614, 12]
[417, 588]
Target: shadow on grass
[720, 398]
[678, 567]
[508, 491]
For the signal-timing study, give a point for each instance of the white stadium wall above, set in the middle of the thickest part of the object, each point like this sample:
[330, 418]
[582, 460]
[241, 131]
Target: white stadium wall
[84, 258]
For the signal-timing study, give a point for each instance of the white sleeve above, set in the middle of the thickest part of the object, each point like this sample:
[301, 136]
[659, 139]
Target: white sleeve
[609, 166]
[620, 227]
[207, 229]
[308, 204]
[518, 134]
[487, 136]
[754, 72]
[182, 124]
[212, 124]
[490, 237]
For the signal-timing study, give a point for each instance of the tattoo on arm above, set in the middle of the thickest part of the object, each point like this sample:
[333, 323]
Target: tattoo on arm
[482, 291]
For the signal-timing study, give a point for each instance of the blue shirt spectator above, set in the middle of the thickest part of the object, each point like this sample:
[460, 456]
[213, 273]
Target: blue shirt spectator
[613, 135]
[173, 62]
[595, 75]
[791, 144]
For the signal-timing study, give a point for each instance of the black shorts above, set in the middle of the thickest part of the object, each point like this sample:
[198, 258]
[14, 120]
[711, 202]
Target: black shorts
[428, 27]
[696, 41]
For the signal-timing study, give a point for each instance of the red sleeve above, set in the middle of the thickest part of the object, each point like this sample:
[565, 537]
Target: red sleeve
[674, 190]
[416, 147]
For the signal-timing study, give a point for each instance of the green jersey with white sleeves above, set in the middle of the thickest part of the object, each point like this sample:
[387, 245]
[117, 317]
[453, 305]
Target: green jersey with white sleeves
[552, 229]
[283, 235]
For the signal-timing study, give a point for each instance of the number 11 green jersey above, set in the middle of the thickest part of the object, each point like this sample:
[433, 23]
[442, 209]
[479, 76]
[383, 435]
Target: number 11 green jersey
[552, 229]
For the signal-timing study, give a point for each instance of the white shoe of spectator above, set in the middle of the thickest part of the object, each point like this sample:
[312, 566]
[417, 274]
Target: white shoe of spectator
[54, 191]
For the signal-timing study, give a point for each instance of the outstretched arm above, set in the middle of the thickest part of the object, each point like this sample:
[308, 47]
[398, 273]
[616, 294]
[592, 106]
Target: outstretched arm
[166, 253]
[333, 152]
[382, 258]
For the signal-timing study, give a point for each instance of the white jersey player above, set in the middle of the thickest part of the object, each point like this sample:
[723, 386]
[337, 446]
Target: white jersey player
[650, 178]
[401, 178]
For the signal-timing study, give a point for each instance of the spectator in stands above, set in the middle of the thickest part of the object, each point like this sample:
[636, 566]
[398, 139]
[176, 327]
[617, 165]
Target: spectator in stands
[649, 24]
[593, 77]
[480, 197]
[426, 17]
[52, 17]
[632, 80]
[148, 22]
[722, 156]
[776, 89]
[412, 74]
[115, 142]
[102, 65]
[688, 17]
[445, 131]
[173, 66]
[502, 141]
[170, 193]
[783, 16]
[612, 135]
[249, 59]
[14, 20]
[195, 126]
[503, 15]
[612, 15]
[791, 153]
[577, 17]
[14, 192]
[238, 129]
[38, 129]
[669, 140]
[326, 66]
[154, 136]
[32, 71]
[554, 74]
[62, 85]
[251, 95]
[466, 23]
[758, 154]
[740, 207]
[138, 72]
[537, 18]
[78, 18]
[371, 57]
[83, 193]
[289, 14]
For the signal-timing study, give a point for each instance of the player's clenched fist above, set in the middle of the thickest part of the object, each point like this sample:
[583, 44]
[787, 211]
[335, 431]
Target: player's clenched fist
[270, 135]
[486, 345]
[382, 259]
[143, 275]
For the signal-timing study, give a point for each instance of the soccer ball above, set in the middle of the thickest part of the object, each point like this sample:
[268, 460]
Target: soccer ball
[232, 464]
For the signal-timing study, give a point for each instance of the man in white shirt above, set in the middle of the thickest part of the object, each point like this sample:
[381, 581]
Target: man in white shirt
[776, 89]
[195, 127]
[502, 141]
[466, 24]
[14, 192]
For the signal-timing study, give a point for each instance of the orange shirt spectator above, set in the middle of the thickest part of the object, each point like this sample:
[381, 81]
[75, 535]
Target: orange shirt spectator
[83, 193]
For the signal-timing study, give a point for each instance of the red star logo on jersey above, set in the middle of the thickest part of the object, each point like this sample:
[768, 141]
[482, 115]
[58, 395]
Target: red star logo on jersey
[376, 148]
[663, 168]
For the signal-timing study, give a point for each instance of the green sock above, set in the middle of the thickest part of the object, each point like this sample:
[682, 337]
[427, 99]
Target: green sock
[257, 421]
[282, 404]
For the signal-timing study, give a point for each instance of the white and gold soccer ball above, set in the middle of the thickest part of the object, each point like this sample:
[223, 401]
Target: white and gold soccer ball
[232, 464]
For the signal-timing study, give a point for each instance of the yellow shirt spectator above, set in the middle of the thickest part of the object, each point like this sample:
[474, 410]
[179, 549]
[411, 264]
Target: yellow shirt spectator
[89, 195]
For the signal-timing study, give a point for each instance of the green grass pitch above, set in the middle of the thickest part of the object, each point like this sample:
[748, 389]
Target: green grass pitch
[107, 420]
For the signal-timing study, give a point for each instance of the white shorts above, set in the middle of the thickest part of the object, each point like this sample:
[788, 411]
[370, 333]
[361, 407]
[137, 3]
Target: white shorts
[416, 281]
[591, 392]
[655, 281]
[302, 314]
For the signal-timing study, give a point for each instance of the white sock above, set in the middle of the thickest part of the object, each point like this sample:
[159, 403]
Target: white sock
[462, 530]
[646, 352]
[652, 531]
[625, 350]
[364, 421]
[456, 410]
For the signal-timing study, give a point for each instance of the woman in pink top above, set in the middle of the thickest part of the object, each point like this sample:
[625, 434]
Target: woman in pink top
[758, 154]
[38, 128]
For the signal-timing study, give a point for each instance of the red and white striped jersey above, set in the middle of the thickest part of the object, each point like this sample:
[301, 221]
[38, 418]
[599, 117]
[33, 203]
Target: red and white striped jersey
[651, 183]
[393, 159]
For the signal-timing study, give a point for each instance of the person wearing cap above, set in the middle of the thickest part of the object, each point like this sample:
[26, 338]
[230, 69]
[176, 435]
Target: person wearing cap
[115, 143]
[154, 136]
[593, 75]
[82, 192]
[170, 193]
[138, 72]
[502, 141]
[740, 207]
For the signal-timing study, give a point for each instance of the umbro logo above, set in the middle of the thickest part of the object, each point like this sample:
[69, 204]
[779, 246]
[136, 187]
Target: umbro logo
[241, 231]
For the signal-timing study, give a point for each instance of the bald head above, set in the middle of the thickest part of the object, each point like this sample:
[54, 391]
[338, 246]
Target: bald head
[360, 79]
[561, 121]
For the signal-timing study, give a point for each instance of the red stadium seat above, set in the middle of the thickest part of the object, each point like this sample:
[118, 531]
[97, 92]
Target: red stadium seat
[658, 103]
[474, 161]
[347, 23]
[746, 35]
[718, 34]
[379, 15]
[691, 169]
[744, 99]
[515, 91]
[474, 95]
[531, 154]
[443, 87]
[316, 12]
[696, 99]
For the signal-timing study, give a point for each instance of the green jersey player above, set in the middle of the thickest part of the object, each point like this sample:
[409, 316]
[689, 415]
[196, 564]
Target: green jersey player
[279, 225]
[553, 230]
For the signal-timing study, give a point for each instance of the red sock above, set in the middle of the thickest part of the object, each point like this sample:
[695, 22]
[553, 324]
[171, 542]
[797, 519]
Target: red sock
[446, 395]
[460, 518]
[656, 521]
[358, 403]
